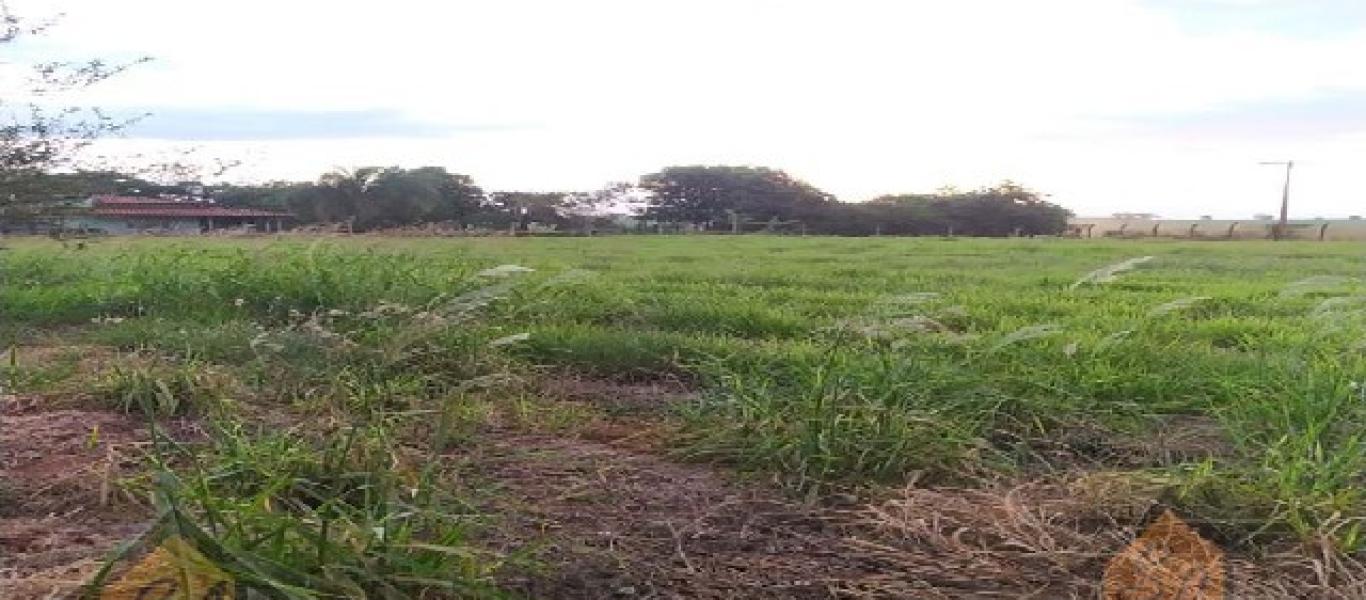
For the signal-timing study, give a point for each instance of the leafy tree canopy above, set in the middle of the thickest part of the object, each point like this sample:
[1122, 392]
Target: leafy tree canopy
[377, 197]
[710, 195]
[1005, 209]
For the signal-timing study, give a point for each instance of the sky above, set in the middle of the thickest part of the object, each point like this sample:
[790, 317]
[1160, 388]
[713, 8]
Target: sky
[1161, 106]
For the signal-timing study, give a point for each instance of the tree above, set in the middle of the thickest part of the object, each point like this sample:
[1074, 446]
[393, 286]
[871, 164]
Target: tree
[270, 195]
[711, 196]
[39, 139]
[584, 211]
[1005, 209]
[378, 197]
[453, 197]
[524, 208]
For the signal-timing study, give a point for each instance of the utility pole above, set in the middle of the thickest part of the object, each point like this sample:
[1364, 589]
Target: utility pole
[1280, 229]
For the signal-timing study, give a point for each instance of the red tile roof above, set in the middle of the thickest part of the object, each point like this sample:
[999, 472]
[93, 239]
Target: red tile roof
[140, 201]
[164, 211]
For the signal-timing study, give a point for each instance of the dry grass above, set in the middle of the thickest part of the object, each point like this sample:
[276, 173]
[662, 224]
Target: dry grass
[1052, 538]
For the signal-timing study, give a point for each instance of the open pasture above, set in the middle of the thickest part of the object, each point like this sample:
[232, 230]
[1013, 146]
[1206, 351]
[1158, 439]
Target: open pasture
[1224, 380]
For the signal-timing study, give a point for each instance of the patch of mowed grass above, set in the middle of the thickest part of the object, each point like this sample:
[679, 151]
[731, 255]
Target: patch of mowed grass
[617, 353]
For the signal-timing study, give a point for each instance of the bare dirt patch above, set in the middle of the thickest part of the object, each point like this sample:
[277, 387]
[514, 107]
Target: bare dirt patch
[1081, 445]
[617, 398]
[617, 524]
[60, 507]
[612, 522]
[608, 520]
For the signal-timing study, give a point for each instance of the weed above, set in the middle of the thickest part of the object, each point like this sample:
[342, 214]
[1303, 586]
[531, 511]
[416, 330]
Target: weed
[337, 515]
[161, 390]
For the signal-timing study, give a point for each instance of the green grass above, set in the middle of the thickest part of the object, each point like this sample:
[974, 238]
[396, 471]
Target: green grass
[829, 362]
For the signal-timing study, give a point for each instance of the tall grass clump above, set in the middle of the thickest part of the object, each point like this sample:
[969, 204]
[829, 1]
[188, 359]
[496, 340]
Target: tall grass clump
[346, 513]
[841, 414]
[1305, 446]
[164, 390]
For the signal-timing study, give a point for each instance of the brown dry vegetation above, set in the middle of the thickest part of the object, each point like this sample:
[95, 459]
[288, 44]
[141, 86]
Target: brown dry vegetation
[619, 522]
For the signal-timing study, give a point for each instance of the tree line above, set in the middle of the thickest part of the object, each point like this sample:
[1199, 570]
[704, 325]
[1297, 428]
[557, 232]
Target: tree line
[683, 198]
[697, 198]
[743, 198]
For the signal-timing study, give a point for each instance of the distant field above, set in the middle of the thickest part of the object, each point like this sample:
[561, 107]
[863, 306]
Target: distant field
[1227, 379]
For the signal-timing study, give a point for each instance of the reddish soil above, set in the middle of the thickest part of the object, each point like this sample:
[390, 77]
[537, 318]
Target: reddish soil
[60, 510]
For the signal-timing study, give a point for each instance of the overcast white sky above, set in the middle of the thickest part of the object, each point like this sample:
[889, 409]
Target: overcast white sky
[1159, 106]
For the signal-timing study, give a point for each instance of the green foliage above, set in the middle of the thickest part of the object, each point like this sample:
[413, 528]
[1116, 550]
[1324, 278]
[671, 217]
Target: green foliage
[825, 361]
[377, 197]
[272, 283]
[1006, 209]
[336, 515]
[711, 195]
[843, 414]
[721, 197]
[162, 391]
[350, 505]
[270, 195]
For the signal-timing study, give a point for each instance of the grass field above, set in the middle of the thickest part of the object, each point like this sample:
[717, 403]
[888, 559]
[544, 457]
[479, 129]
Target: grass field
[1224, 380]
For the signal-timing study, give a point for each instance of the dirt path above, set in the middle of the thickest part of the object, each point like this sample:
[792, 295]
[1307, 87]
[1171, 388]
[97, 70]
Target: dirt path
[60, 511]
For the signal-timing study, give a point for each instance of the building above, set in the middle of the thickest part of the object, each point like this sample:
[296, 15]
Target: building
[121, 215]
[1126, 226]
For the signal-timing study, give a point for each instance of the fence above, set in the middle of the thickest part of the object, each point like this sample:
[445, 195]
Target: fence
[1320, 230]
